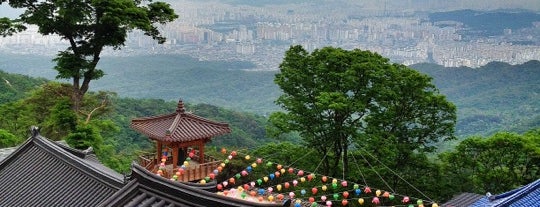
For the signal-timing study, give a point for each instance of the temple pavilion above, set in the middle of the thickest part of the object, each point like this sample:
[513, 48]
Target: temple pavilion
[180, 137]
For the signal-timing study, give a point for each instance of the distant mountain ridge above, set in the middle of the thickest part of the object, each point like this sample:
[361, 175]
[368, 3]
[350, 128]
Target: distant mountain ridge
[498, 96]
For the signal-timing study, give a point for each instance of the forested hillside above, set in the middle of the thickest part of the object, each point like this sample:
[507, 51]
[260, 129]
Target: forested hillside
[15, 86]
[451, 173]
[495, 97]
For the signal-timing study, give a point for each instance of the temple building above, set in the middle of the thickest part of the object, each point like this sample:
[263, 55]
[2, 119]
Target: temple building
[41, 172]
[185, 135]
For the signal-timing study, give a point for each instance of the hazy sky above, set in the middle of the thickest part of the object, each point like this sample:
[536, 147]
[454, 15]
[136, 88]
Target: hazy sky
[405, 5]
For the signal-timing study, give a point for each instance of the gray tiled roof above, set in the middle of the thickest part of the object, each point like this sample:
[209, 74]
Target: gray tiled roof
[4, 152]
[147, 189]
[41, 173]
[462, 200]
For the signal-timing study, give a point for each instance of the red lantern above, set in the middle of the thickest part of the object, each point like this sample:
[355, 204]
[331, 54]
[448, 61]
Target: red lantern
[212, 176]
[367, 190]
[310, 177]
[291, 170]
[280, 196]
[231, 181]
[311, 199]
[287, 185]
[219, 187]
[345, 194]
[344, 202]
[300, 173]
[233, 153]
[324, 179]
[314, 191]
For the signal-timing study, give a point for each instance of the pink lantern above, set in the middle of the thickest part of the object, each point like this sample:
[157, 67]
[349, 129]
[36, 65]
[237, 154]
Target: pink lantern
[291, 194]
[376, 201]
[405, 199]
[344, 183]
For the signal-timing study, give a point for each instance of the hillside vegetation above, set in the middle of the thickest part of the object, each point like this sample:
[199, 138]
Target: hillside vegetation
[495, 97]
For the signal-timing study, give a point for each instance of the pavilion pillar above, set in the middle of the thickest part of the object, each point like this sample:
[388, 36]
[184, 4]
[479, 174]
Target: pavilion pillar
[159, 152]
[201, 152]
[175, 156]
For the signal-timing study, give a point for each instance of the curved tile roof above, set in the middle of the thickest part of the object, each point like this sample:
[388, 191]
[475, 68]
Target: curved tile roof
[180, 126]
[41, 173]
[147, 189]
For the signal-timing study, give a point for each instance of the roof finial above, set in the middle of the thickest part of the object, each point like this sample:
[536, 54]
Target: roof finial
[180, 108]
[34, 131]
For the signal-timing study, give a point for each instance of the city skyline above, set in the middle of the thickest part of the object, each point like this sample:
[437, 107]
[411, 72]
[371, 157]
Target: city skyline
[209, 30]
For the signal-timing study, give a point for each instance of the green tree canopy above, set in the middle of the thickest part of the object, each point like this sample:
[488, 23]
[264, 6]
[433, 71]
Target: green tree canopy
[89, 27]
[494, 164]
[335, 97]
[7, 139]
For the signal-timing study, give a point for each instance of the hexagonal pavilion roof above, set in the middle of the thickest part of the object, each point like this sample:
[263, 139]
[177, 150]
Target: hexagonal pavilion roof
[180, 126]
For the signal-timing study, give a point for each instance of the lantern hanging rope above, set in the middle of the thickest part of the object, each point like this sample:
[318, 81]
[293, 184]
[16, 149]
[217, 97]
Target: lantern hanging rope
[379, 175]
[399, 176]
[360, 171]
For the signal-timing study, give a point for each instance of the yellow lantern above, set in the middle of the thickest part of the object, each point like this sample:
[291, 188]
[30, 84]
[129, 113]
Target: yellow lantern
[434, 205]
[324, 188]
[247, 157]
[279, 187]
[254, 165]
[361, 201]
[265, 179]
[186, 163]
[378, 193]
[302, 179]
[270, 198]
[203, 181]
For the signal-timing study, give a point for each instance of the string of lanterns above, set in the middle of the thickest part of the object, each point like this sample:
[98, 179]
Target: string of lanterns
[330, 192]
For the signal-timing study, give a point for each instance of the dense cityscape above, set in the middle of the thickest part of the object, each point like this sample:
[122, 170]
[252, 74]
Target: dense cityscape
[214, 31]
